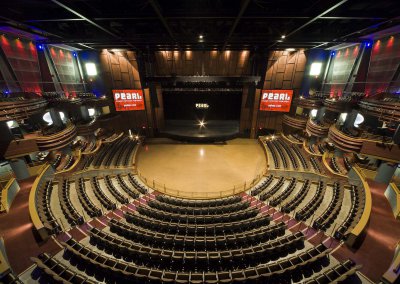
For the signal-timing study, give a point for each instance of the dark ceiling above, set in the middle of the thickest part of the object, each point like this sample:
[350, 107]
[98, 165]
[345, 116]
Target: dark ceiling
[177, 24]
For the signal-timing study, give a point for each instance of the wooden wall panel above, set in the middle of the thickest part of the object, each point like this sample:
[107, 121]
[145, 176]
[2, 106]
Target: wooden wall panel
[191, 63]
[285, 70]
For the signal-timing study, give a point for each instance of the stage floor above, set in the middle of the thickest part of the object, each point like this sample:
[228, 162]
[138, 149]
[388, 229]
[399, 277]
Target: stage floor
[200, 168]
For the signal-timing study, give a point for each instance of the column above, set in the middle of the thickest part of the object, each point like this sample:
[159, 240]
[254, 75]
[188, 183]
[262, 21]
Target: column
[19, 168]
[84, 113]
[55, 116]
[350, 119]
[385, 172]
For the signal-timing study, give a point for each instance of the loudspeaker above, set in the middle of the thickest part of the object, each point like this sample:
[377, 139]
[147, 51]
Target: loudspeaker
[396, 136]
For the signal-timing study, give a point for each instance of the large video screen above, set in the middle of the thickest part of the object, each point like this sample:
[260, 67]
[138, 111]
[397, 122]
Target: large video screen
[276, 100]
[126, 100]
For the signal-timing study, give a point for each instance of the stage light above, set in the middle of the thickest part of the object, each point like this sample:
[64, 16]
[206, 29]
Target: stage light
[332, 53]
[200, 36]
[290, 49]
[283, 36]
[91, 69]
[315, 68]
[137, 137]
[40, 46]
[74, 54]
[202, 123]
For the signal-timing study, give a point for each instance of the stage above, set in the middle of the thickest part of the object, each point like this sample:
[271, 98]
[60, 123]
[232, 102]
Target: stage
[191, 131]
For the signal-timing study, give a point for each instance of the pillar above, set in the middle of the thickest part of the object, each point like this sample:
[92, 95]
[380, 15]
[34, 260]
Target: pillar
[83, 110]
[350, 119]
[19, 168]
[55, 116]
[320, 114]
[385, 172]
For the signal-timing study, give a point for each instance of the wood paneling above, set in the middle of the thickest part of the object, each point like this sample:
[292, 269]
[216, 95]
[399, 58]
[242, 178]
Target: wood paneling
[285, 70]
[211, 63]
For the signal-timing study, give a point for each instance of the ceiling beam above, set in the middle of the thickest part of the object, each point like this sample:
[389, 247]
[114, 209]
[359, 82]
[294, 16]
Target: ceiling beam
[238, 17]
[157, 10]
[90, 21]
[205, 18]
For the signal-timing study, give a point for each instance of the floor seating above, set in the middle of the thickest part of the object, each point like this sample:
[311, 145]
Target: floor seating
[280, 153]
[354, 215]
[115, 192]
[300, 156]
[86, 202]
[199, 203]
[271, 148]
[53, 271]
[139, 187]
[131, 191]
[267, 194]
[70, 213]
[259, 188]
[113, 270]
[104, 200]
[284, 194]
[199, 241]
[324, 221]
[308, 210]
[43, 206]
[336, 274]
[285, 148]
[315, 165]
[292, 204]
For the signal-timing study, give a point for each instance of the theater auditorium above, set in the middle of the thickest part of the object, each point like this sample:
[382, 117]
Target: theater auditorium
[226, 141]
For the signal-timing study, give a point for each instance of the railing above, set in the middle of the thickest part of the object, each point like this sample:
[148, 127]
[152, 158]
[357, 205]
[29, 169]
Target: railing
[34, 215]
[238, 188]
[8, 194]
[356, 177]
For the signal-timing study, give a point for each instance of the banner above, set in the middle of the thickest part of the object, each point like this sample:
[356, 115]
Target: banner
[276, 100]
[126, 100]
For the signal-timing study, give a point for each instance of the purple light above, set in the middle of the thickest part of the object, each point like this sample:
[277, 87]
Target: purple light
[40, 46]
[332, 53]
[6, 92]
[74, 54]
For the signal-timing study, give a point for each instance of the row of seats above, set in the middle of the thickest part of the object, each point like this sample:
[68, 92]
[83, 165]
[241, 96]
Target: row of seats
[43, 206]
[335, 166]
[324, 221]
[267, 194]
[70, 161]
[284, 194]
[347, 163]
[187, 210]
[273, 153]
[70, 212]
[262, 186]
[101, 196]
[138, 186]
[199, 203]
[131, 191]
[189, 218]
[197, 260]
[300, 156]
[315, 165]
[56, 161]
[197, 242]
[115, 192]
[86, 202]
[308, 210]
[124, 156]
[53, 271]
[281, 154]
[292, 204]
[354, 215]
[108, 269]
[194, 229]
[284, 147]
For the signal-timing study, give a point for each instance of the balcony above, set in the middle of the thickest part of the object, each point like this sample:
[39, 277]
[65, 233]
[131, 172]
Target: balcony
[297, 122]
[314, 128]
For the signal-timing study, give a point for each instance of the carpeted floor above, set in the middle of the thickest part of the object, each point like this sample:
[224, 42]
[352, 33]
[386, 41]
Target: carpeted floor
[377, 251]
[17, 231]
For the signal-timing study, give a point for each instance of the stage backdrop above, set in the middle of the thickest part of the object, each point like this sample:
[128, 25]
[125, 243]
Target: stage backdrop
[199, 105]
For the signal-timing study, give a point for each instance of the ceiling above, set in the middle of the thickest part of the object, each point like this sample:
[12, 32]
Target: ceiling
[177, 24]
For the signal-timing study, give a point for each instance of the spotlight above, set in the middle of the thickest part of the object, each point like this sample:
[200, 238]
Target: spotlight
[290, 49]
[202, 123]
[283, 36]
[74, 54]
[332, 53]
[200, 36]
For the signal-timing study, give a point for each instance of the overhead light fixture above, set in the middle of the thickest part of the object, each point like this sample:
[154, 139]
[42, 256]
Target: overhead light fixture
[283, 36]
[91, 69]
[315, 68]
[290, 49]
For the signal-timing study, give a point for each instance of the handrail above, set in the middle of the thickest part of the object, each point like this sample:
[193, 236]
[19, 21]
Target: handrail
[4, 194]
[201, 195]
[37, 223]
[99, 143]
[364, 219]
[324, 156]
[393, 273]
[308, 151]
[77, 160]
[291, 141]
